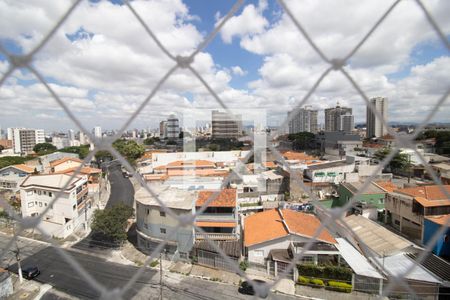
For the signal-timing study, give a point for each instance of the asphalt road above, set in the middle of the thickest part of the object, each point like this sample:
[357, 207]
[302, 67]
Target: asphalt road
[122, 190]
[56, 271]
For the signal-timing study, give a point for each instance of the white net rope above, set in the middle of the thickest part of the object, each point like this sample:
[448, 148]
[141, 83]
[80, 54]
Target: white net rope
[331, 217]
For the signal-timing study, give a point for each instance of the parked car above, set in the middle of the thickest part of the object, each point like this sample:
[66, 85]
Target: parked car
[30, 272]
[247, 288]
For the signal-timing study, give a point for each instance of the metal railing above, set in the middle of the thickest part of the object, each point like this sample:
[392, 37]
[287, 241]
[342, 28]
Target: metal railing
[336, 64]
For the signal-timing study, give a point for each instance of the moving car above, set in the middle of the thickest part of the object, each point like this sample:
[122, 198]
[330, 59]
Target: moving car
[30, 272]
[247, 288]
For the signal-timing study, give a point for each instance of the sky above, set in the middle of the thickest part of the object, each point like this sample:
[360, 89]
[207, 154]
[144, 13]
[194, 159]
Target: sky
[102, 63]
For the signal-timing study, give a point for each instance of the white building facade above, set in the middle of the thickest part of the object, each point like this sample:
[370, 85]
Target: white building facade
[375, 127]
[25, 139]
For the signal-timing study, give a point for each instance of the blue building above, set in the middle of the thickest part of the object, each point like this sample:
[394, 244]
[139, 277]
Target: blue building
[431, 225]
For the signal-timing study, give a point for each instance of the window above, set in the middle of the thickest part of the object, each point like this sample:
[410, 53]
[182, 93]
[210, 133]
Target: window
[162, 213]
[30, 193]
[45, 204]
[39, 192]
[148, 211]
[35, 202]
[74, 206]
[45, 192]
[162, 230]
[50, 194]
[30, 204]
[40, 204]
[258, 253]
[397, 222]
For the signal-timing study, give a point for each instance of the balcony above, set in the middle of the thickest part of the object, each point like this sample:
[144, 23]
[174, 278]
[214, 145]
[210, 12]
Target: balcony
[83, 192]
[217, 236]
[219, 217]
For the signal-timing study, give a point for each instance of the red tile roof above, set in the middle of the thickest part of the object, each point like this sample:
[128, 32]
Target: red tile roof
[428, 192]
[226, 198]
[274, 223]
[24, 168]
[388, 186]
[439, 219]
[302, 156]
[63, 160]
[216, 224]
[191, 163]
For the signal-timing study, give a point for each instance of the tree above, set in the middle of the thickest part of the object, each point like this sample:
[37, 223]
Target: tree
[82, 150]
[111, 222]
[151, 140]
[302, 140]
[13, 160]
[44, 148]
[129, 149]
[400, 161]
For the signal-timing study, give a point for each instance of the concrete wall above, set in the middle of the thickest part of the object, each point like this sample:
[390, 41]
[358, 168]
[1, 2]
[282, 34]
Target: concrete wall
[442, 247]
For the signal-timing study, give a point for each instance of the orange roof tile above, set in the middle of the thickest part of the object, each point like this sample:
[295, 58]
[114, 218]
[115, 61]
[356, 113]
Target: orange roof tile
[428, 192]
[216, 224]
[269, 164]
[23, 168]
[302, 156]
[63, 160]
[388, 186]
[274, 223]
[205, 172]
[152, 177]
[226, 198]
[191, 163]
[84, 170]
[439, 219]
[432, 203]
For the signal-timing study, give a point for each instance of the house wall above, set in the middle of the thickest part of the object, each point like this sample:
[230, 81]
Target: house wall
[259, 253]
[150, 222]
[324, 175]
[402, 216]
[11, 178]
[345, 195]
[442, 247]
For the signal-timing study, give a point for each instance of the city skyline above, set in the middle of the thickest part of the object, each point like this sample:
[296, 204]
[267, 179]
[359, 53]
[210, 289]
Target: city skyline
[247, 64]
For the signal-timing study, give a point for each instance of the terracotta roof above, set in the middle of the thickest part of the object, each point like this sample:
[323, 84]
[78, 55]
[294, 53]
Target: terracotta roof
[63, 160]
[191, 163]
[207, 172]
[388, 186]
[432, 203]
[427, 192]
[24, 168]
[269, 164]
[302, 156]
[439, 219]
[216, 224]
[84, 170]
[272, 224]
[226, 198]
[152, 177]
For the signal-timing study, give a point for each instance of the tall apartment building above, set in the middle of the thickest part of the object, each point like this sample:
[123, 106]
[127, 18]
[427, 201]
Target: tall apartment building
[225, 125]
[334, 120]
[71, 135]
[304, 120]
[24, 139]
[163, 129]
[173, 127]
[98, 132]
[375, 127]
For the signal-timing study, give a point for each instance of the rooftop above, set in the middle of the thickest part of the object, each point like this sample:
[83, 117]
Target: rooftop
[302, 156]
[371, 189]
[84, 170]
[377, 238]
[225, 198]
[439, 219]
[63, 160]
[22, 167]
[171, 197]
[191, 163]
[328, 164]
[272, 224]
[54, 181]
[387, 186]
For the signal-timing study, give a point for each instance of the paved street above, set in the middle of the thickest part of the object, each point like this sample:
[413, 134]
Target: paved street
[121, 188]
[57, 272]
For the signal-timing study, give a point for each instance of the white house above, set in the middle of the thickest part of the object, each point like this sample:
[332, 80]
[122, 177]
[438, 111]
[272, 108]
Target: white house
[12, 176]
[273, 235]
[155, 226]
[331, 172]
[64, 164]
[71, 210]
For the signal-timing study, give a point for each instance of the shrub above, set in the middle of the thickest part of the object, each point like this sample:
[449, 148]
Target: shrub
[243, 265]
[329, 272]
[317, 282]
[303, 280]
[339, 286]
[154, 263]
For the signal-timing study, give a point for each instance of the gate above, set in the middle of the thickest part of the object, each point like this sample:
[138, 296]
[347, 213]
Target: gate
[215, 260]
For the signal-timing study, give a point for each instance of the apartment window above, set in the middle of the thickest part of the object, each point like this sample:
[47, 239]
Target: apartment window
[30, 204]
[40, 204]
[397, 222]
[39, 192]
[162, 213]
[45, 204]
[162, 230]
[45, 192]
[74, 206]
[148, 211]
[35, 202]
[50, 194]
[30, 193]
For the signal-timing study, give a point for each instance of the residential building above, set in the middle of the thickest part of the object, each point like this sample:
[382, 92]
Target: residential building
[24, 139]
[71, 135]
[60, 142]
[219, 220]
[303, 119]
[339, 119]
[375, 127]
[407, 208]
[339, 143]
[7, 144]
[12, 176]
[225, 125]
[82, 138]
[173, 127]
[163, 129]
[98, 132]
[154, 225]
[66, 214]
[273, 236]
[64, 164]
[433, 224]
[331, 171]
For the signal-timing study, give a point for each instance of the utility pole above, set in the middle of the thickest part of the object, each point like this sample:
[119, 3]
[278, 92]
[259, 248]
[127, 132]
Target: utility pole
[160, 276]
[17, 253]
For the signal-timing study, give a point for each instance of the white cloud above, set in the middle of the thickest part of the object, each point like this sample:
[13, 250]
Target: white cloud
[238, 71]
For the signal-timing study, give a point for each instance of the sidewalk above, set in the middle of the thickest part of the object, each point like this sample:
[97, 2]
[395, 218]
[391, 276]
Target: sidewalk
[28, 290]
